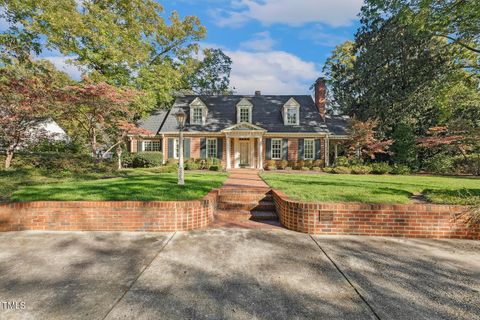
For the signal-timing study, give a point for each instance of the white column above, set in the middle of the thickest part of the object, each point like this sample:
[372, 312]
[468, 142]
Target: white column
[327, 151]
[260, 153]
[336, 151]
[229, 164]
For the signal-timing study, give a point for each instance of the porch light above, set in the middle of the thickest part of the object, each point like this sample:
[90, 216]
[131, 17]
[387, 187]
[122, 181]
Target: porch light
[181, 117]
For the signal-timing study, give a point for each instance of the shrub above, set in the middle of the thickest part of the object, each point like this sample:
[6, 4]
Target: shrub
[292, 164]
[328, 170]
[342, 162]
[299, 164]
[318, 163]
[288, 168]
[317, 169]
[309, 163]
[440, 164]
[271, 165]
[358, 169]
[169, 168]
[341, 170]
[381, 168]
[212, 162]
[467, 165]
[147, 159]
[215, 167]
[192, 165]
[283, 164]
[305, 169]
[400, 169]
[127, 160]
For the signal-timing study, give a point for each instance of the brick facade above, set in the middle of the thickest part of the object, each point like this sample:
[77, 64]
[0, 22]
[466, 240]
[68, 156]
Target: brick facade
[414, 220]
[154, 216]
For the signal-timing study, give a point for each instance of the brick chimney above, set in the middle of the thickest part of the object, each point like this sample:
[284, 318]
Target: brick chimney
[320, 96]
[258, 93]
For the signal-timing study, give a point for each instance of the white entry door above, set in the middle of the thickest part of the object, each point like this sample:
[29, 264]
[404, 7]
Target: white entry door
[244, 153]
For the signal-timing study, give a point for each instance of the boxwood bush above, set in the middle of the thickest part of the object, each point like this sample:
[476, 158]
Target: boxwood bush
[147, 160]
[358, 169]
[381, 168]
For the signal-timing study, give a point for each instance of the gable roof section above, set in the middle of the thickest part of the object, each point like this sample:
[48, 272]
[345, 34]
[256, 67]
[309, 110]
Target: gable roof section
[266, 113]
[154, 122]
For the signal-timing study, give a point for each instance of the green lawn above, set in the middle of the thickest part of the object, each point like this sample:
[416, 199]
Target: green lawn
[375, 189]
[138, 184]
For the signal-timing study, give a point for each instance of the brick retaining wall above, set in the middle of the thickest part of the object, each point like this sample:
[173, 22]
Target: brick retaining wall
[414, 220]
[153, 216]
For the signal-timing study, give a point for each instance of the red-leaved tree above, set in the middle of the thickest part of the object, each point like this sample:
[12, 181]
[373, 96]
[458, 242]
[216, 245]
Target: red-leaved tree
[98, 109]
[26, 102]
[363, 141]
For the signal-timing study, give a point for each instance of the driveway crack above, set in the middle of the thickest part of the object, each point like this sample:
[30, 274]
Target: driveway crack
[138, 276]
[347, 279]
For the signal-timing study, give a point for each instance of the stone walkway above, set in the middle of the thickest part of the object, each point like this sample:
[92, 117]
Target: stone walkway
[244, 178]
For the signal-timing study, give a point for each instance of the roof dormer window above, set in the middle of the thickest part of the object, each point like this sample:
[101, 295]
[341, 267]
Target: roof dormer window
[291, 113]
[198, 112]
[244, 111]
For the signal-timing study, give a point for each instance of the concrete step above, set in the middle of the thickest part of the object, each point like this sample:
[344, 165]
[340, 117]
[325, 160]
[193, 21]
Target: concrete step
[265, 205]
[263, 216]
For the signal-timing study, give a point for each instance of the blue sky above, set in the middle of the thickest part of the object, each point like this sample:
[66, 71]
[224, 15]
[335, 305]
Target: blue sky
[277, 46]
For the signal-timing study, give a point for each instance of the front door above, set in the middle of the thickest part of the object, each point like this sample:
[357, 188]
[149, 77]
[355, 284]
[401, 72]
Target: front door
[244, 153]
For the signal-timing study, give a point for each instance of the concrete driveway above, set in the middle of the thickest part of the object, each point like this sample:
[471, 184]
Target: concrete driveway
[235, 274]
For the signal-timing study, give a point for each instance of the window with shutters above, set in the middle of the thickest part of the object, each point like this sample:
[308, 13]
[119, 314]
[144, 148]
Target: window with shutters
[211, 148]
[276, 149]
[151, 146]
[309, 149]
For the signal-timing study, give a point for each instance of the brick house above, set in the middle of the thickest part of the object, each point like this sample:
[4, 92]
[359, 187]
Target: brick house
[246, 131]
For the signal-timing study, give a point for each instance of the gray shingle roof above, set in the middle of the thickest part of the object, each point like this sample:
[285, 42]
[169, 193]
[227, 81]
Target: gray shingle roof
[154, 121]
[222, 113]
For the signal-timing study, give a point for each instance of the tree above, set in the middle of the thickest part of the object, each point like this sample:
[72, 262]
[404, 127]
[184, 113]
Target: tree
[120, 42]
[95, 108]
[362, 140]
[212, 75]
[339, 71]
[404, 147]
[26, 102]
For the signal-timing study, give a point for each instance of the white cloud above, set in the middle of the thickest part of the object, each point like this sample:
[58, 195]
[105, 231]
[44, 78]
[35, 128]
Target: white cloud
[294, 13]
[272, 72]
[63, 64]
[324, 38]
[261, 41]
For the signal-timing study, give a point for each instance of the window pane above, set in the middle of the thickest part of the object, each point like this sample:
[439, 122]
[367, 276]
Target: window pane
[211, 148]
[309, 150]
[276, 149]
[244, 115]
[292, 116]
[151, 145]
[197, 116]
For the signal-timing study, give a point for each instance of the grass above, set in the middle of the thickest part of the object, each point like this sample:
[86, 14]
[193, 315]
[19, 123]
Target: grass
[138, 184]
[376, 189]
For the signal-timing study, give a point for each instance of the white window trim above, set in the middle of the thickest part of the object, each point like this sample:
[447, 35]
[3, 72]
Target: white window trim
[175, 150]
[281, 149]
[198, 103]
[244, 104]
[291, 104]
[207, 144]
[193, 109]
[313, 149]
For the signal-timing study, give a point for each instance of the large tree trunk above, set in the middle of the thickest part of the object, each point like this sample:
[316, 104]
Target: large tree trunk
[8, 159]
[119, 157]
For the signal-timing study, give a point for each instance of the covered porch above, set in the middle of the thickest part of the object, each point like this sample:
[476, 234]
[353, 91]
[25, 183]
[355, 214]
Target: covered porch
[244, 146]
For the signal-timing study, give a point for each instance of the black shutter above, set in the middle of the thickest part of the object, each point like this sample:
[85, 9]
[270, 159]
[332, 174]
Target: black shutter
[318, 149]
[300, 149]
[268, 151]
[203, 148]
[285, 149]
[186, 148]
[170, 148]
[220, 148]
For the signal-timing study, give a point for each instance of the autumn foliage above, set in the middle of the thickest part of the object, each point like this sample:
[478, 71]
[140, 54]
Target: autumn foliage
[363, 141]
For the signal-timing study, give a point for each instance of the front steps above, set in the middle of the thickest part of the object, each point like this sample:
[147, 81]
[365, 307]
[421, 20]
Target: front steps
[246, 204]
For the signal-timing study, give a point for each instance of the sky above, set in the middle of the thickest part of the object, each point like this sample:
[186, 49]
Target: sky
[277, 46]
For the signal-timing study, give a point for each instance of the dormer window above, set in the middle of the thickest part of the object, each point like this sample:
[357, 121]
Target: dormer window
[198, 112]
[244, 111]
[292, 116]
[197, 115]
[291, 113]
